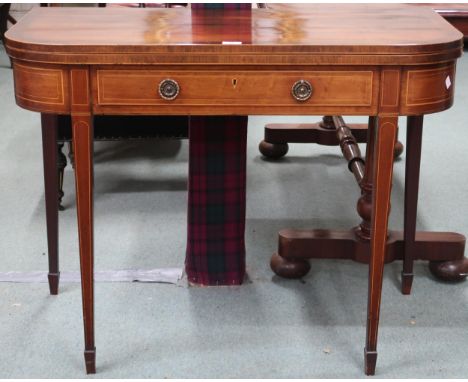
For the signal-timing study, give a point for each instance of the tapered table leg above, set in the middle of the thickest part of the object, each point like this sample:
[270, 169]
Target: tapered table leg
[383, 168]
[413, 161]
[49, 152]
[83, 143]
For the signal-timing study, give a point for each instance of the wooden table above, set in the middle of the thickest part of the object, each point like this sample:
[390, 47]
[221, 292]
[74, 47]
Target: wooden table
[443, 250]
[376, 60]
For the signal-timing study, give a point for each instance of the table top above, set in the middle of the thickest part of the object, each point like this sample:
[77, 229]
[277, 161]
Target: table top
[361, 33]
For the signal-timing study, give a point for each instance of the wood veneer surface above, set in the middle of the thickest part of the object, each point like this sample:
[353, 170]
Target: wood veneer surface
[82, 34]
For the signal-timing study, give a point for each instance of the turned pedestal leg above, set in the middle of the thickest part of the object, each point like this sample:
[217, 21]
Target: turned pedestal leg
[49, 151]
[82, 128]
[61, 164]
[399, 148]
[383, 168]
[364, 204]
[71, 156]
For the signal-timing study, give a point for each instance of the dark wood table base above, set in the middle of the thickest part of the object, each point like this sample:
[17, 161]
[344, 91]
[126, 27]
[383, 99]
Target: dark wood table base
[296, 246]
[443, 250]
[278, 135]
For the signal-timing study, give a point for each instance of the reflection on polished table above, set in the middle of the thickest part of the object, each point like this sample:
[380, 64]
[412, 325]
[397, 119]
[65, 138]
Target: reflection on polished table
[380, 61]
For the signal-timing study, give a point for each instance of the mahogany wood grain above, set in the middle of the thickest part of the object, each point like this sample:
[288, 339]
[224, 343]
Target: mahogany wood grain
[302, 244]
[382, 175]
[348, 90]
[142, 36]
[349, 148]
[427, 90]
[83, 139]
[49, 150]
[278, 135]
[384, 145]
[340, 64]
[43, 89]
[379, 60]
[311, 133]
[413, 159]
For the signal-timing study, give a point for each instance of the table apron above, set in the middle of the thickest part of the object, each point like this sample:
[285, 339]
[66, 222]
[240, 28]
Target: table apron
[127, 90]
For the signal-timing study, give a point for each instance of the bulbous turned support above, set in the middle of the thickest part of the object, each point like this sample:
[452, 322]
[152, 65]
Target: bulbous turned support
[273, 150]
[364, 210]
[398, 150]
[364, 204]
[61, 164]
[452, 271]
[289, 268]
[327, 123]
[71, 154]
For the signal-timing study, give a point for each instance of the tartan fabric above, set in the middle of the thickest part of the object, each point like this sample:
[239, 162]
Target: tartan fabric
[216, 208]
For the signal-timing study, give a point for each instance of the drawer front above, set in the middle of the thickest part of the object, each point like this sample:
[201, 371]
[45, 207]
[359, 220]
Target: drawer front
[235, 88]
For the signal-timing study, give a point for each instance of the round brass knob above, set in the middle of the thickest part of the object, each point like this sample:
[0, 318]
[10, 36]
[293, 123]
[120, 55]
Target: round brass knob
[168, 89]
[301, 90]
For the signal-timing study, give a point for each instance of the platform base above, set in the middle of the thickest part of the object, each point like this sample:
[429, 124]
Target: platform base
[278, 135]
[444, 250]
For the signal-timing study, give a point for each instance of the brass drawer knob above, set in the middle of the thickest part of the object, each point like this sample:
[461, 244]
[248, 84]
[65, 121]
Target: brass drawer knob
[168, 89]
[301, 90]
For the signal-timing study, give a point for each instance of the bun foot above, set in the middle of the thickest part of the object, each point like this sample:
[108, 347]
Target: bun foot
[273, 150]
[90, 361]
[53, 282]
[455, 270]
[406, 282]
[398, 150]
[370, 360]
[289, 268]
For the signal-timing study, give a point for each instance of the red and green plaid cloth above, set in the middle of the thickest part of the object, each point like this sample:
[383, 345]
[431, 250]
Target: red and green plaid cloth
[216, 206]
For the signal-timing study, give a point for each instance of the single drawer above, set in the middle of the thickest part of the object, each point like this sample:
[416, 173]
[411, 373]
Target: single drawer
[236, 88]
